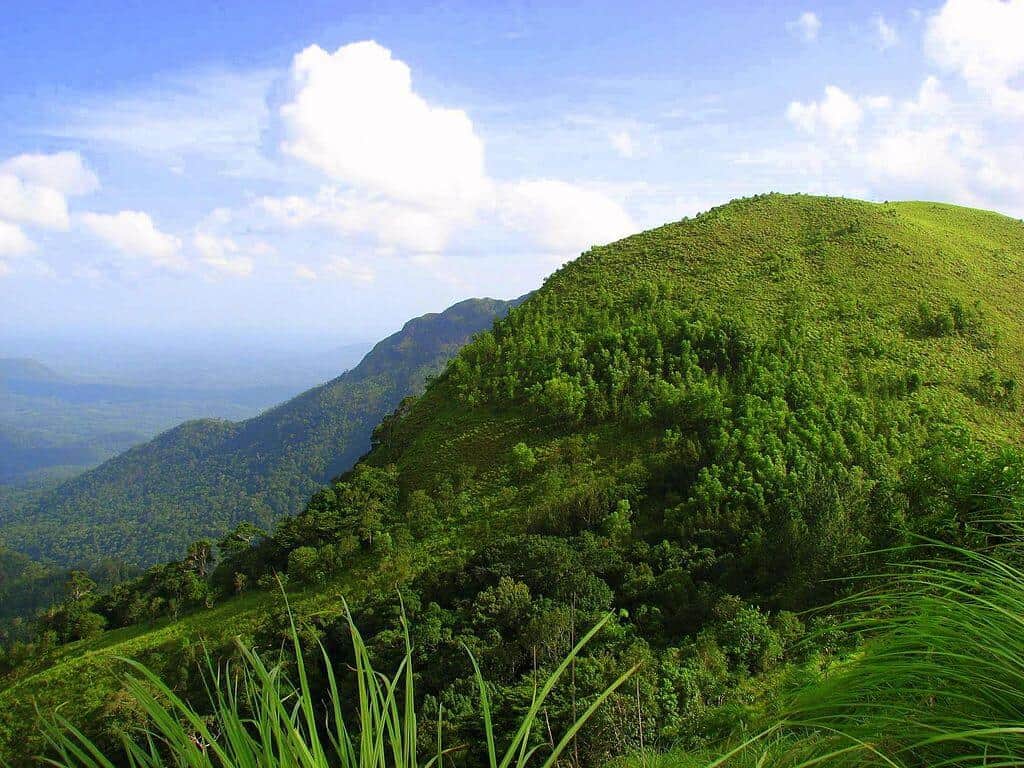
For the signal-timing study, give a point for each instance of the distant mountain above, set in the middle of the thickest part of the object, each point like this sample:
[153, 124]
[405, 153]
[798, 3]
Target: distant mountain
[203, 477]
[55, 425]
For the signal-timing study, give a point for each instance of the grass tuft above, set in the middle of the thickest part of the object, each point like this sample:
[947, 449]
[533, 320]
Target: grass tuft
[940, 684]
[263, 718]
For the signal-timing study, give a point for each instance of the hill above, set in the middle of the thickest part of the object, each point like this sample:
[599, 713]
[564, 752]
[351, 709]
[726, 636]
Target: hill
[699, 427]
[204, 477]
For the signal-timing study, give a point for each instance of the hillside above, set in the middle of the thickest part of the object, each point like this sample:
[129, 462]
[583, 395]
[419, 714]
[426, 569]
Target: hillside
[203, 477]
[700, 427]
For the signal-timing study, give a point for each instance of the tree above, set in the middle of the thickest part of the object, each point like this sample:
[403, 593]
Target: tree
[78, 586]
[244, 536]
[199, 557]
[618, 525]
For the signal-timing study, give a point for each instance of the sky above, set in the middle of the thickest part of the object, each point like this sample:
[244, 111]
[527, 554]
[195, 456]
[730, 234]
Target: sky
[274, 170]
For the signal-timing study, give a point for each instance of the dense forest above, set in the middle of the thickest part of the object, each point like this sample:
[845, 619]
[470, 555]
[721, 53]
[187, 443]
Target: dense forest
[203, 477]
[714, 435]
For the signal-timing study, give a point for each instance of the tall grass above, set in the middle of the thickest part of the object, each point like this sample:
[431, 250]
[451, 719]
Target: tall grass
[941, 684]
[262, 718]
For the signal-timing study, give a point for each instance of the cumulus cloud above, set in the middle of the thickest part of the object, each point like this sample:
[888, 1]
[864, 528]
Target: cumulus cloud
[31, 204]
[133, 234]
[837, 113]
[390, 223]
[353, 115]
[408, 175]
[34, 191]
[981, 40]
[806, 26]
[562, 217]
[927, 146]
[64, 172]
[34, 188]
[886, 33]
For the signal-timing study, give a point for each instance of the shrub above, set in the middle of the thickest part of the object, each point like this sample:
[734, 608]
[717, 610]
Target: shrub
[523, 459]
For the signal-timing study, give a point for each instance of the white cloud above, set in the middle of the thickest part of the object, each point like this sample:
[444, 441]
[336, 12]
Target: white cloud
[222, 254]
[354, 115]
[14, 242]
[931, 99]
[565, 218]
[405, 172]
[34, 188]
[623, 143]
[928, 146]
[407, 175]
[806, 26]
[134, 234]
[346, 269]
[837, 113]
[391, 223]
[64, 172]
[886, 32]
[31, 204]
[304, 273]
[983, 41]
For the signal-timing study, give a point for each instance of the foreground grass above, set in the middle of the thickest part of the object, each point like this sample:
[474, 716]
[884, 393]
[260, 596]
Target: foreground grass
[942, 683]
[261, 717]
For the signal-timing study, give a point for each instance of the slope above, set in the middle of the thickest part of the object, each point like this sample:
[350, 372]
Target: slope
[203, 477]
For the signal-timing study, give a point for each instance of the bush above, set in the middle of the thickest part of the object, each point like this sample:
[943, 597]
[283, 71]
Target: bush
[523, 459]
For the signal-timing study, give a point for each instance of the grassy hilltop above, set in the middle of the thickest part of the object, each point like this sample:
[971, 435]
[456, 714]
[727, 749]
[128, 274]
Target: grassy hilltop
[699, 426]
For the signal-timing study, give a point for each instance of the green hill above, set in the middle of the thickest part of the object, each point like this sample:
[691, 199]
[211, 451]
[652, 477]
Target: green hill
[699, 426]
[203, 477]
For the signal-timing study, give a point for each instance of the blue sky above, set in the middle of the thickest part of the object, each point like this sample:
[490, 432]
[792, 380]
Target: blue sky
[255, 169]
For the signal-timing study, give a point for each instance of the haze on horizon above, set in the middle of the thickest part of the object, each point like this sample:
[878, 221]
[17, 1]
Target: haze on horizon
[195, 172]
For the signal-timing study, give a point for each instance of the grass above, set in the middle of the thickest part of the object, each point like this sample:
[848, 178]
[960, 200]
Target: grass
[263, 718]
[941, 683]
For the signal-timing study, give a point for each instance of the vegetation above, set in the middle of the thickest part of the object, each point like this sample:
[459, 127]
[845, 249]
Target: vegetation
[940, 680]
[204, 477]
[261, 717]
[700, 430]
[940, 683]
